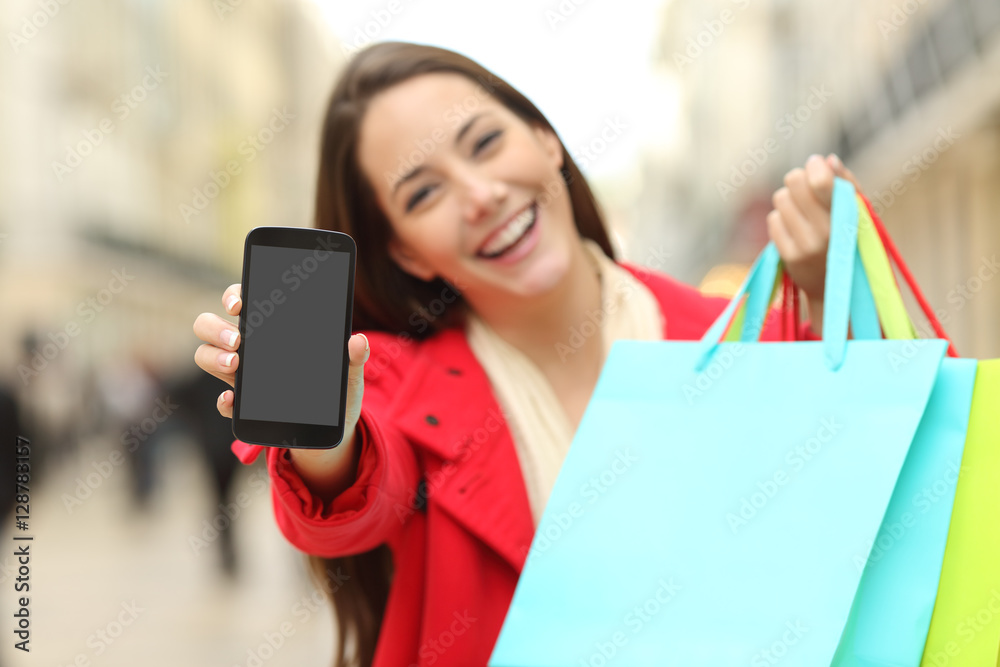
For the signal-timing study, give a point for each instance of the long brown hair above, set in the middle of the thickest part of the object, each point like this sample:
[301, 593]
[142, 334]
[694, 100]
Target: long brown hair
[386, 298]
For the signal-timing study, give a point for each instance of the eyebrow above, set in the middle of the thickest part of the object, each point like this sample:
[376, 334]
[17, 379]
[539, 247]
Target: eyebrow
[413, 173]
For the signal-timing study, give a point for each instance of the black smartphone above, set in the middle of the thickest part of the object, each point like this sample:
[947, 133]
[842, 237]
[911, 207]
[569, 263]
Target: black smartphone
[298, 296]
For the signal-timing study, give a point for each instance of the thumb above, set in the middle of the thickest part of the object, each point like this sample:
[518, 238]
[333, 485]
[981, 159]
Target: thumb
[359, 350]
[840, 170]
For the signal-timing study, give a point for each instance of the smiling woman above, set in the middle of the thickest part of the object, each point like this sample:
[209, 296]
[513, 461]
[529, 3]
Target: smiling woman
[430, 125]
[482, 255]
[475, 198]
[452, 183]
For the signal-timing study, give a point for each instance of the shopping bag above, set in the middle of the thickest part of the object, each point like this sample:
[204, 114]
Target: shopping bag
[892, 609]
[965, 629]
[891, 613]
[716, 495]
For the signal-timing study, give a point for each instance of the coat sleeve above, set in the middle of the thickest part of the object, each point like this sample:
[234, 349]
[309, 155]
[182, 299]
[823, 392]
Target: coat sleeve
[376, 506]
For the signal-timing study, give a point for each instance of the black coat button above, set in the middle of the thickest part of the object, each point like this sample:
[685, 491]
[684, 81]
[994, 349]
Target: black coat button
[431, 419]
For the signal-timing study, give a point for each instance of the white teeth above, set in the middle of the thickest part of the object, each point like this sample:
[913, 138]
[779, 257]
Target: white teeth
[511, 233]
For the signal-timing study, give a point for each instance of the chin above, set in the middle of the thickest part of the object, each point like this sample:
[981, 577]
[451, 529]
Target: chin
[547, 271]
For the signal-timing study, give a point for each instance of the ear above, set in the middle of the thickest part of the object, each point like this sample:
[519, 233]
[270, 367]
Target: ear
[550, 144]
[408, 262]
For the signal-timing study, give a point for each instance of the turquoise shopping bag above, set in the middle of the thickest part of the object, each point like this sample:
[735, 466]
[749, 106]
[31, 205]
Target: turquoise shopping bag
[891, 614]
[717, 495]
[892, 609]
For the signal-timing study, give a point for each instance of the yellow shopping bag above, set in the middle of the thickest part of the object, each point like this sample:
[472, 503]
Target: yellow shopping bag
[965, 627]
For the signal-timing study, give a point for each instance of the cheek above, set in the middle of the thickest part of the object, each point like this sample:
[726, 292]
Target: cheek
[436, 237]
[534, 169]
[529, 162]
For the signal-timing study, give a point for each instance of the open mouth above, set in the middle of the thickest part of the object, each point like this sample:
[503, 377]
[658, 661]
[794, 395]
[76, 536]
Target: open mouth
[511, 235]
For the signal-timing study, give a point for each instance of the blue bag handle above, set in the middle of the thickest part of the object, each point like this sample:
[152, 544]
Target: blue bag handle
[840, 272]
[848, 295]
[863, 313]
[759, 292]
[768, 256]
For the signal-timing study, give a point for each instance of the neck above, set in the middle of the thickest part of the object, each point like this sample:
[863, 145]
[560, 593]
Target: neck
[541, 326]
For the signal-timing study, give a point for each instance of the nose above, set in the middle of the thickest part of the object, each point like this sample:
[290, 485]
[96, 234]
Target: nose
[482, 195]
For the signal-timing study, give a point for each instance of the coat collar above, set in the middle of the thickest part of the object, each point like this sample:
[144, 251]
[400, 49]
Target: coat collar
[450, 412]
[473, 473]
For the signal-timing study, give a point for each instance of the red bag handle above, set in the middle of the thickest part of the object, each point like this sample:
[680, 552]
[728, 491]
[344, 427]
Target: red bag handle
[897, 258]
[790, 314]
[790, 291]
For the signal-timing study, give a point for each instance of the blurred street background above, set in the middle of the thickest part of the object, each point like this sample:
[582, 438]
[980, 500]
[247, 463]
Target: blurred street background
[122, 217]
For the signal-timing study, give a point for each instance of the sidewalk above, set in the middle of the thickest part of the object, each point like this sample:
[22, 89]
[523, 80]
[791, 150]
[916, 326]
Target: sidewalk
[114, 589]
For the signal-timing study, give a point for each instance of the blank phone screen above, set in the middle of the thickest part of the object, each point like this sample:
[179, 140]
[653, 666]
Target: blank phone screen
[293, 348]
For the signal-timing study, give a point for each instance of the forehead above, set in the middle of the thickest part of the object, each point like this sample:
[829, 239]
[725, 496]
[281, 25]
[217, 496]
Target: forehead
[426, 108]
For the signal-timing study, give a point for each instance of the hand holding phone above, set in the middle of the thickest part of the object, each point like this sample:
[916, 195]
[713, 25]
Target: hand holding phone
[325, 471]
[295, 321]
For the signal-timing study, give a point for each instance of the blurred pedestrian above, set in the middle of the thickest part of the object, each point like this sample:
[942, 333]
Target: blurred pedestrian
[10, 430]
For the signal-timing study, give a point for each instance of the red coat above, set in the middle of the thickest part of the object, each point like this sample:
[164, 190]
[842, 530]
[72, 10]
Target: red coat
[429, 414]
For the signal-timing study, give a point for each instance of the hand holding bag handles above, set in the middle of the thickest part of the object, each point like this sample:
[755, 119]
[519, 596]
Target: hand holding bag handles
[702, 515]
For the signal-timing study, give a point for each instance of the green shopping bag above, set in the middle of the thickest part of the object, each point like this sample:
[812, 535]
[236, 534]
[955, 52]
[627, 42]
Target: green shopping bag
[965, 628]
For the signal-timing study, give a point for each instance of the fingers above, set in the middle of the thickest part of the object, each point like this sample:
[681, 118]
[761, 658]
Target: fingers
[809, 189]
[840, 170]
[214, 330]
[799, 225]
[807, 239]
[218, 362]
[225, 404]
[218, 355]
[813, 229]
[782, 239]
[359, 351]
[819, 179]
[806, 268]
[232, 299]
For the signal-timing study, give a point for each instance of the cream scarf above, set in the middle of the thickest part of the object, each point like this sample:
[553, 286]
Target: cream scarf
[541, 430]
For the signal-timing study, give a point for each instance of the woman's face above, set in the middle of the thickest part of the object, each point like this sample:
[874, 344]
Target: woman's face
[473, 193]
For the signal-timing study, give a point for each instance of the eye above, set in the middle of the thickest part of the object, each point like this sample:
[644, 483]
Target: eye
[485, 141]
[417, 197]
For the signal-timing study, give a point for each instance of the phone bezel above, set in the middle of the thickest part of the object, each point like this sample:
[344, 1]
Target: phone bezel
[291, 434]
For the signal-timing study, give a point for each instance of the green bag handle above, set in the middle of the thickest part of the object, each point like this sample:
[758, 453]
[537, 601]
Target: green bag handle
[888, 299]
[842, 255]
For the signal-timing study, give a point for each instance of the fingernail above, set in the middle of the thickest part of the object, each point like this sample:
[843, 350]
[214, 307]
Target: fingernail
[837, 164]
[222, 396]
[229, 337]
[227, 360]
[366, 341]
[233, 300]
